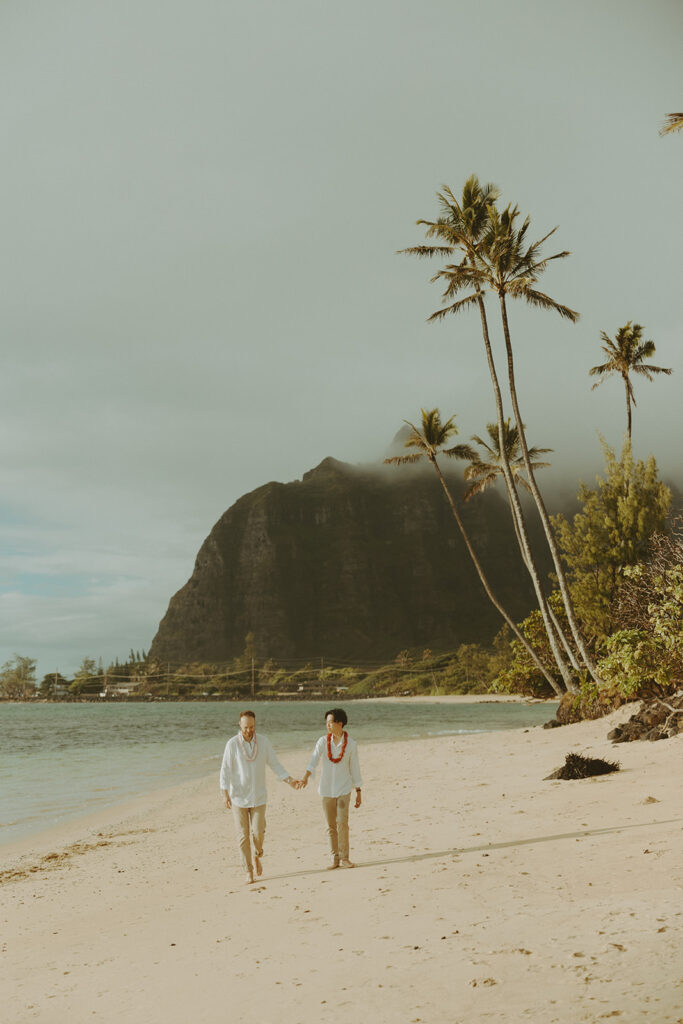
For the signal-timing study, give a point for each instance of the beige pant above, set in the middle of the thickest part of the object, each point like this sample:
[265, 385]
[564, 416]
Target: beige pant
[336, 811]
[249, 821]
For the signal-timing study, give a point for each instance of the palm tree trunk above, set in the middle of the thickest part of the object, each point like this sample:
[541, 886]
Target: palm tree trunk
[489, 593]
[628, 413]
[545, 519]
[517, 514]
[553, 617]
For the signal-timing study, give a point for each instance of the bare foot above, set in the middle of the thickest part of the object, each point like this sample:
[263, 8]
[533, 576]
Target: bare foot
[249, 878]
[346, 863]
[333, 865]
[259, 865]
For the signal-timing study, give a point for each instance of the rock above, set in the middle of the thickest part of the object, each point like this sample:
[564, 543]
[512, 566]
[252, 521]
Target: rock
[657, 719]
[351, 562]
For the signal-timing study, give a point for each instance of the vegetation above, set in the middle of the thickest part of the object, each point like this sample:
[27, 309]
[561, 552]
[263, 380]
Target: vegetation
[627, 354]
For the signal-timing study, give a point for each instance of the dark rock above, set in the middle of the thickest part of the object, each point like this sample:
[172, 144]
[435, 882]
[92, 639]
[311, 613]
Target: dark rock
[552, 724]
[657, 719]
[349, 562]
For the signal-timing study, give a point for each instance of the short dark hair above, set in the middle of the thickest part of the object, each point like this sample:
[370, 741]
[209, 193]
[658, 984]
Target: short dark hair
[338, 715]
[247, 714]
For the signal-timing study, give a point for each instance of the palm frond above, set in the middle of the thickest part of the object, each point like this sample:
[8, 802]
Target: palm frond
[469, 300]
[672, 123]
[543, 301]
[402, 460]
[460, 451]
[426, 251]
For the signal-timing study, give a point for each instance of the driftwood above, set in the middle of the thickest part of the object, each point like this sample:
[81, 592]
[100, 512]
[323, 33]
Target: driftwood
[576, 766]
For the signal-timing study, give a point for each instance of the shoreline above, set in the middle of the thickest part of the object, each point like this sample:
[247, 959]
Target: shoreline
[42, 836]
[482, 892]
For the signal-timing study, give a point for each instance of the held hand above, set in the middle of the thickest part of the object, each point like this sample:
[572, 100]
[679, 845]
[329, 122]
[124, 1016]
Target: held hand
[294, 783]
[303, 782]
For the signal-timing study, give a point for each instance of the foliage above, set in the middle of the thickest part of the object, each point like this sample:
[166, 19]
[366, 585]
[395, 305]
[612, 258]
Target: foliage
[517, 673]
[53, 684]
[18, 678]
[611, 532]
[649, 657]
[87, 679]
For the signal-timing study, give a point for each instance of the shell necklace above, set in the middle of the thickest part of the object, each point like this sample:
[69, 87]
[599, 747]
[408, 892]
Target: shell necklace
[336, 760]
[245, 748]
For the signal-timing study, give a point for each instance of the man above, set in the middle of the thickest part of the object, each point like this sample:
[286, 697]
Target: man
[243, 784]
[340, 774]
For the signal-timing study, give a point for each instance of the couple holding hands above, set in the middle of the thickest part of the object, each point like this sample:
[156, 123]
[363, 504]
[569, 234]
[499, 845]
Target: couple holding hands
[243, 785]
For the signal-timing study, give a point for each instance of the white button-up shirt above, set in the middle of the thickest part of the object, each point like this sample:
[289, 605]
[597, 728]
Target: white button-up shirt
[245, 779]
[336, 779]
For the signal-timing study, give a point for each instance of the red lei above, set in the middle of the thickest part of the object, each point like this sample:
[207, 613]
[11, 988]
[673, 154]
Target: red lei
[336, 760]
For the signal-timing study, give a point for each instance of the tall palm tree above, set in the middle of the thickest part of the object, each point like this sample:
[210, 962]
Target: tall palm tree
[673, 123]
[429, 443]
[626, 354]
[509, 265]
[464, 226]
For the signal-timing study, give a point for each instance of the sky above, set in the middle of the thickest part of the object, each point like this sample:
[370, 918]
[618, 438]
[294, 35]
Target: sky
[200, 292]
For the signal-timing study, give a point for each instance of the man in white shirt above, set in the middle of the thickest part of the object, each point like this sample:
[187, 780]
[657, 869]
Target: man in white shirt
[339, 775]
[243, 784]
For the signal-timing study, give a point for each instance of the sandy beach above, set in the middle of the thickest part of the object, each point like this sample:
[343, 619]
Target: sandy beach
[482, 893]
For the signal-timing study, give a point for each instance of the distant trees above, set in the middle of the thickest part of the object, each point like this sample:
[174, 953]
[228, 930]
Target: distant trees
[626, 355]
[18, 678]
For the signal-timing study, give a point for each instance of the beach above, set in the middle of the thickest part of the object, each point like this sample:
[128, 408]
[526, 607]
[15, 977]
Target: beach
[481, 893]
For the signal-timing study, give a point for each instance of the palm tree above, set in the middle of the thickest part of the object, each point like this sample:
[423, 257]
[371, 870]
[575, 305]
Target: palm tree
[486, 470]
[509, 265]
[673, 123]
[627, 355]
[464, 226]
[429, 443]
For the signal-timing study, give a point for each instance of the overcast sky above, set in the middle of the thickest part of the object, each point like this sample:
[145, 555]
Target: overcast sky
[200, 210]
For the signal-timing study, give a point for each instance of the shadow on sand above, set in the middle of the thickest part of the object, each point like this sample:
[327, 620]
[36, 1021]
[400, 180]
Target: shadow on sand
[479, 848]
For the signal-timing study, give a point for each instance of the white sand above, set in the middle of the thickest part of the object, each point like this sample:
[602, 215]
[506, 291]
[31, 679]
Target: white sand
[482, 893]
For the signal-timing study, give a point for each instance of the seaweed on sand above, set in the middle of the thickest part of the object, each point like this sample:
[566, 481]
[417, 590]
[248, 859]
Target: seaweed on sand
[576, 766]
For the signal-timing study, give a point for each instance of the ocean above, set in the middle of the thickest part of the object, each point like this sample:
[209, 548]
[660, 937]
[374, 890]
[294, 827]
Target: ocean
[61, 761]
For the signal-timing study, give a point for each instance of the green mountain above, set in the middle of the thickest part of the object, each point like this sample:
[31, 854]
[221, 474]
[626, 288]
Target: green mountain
[349, 563]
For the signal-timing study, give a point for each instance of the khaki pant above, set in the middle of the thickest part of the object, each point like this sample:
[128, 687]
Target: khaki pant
[336, 811]
[250, 821]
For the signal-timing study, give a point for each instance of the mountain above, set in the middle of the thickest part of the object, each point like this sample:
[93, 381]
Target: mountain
[349, 563]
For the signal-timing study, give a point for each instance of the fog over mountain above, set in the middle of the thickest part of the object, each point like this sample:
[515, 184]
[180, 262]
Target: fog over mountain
[200, 290]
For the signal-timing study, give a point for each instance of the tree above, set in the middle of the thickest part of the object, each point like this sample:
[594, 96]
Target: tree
[18, 678]
[627, 355]
[85, 678]
[483, 471]
[611, 532]
[429, 442]
[474, 231]
[673, 123]
[53, 684]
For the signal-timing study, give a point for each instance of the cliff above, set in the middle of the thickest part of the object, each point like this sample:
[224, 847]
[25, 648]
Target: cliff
[348, 563]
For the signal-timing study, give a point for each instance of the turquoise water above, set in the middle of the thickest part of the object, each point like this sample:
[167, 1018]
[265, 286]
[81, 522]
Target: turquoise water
[59, 761]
